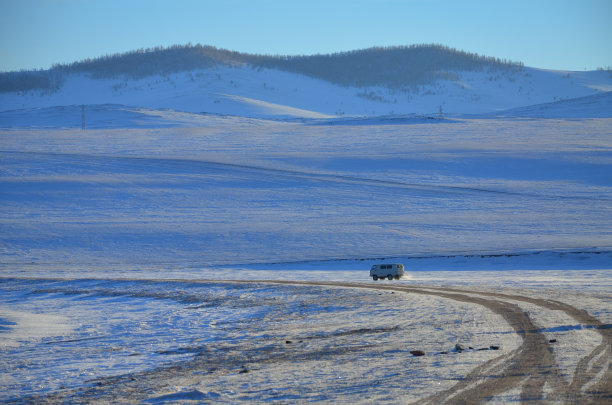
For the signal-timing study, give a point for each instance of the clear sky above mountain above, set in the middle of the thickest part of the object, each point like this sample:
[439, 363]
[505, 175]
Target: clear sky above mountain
[555, 34]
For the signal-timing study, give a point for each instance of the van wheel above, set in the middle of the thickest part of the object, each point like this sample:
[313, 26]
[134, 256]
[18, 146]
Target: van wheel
[390, 277]
[374, 278]
[397, 277]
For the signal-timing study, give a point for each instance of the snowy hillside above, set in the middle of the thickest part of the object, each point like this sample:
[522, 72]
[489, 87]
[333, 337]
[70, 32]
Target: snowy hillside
[272, 93]
[598, 105]
[252, 90]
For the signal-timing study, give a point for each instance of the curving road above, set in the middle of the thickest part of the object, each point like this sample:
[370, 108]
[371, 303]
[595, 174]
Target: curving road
[532, 366]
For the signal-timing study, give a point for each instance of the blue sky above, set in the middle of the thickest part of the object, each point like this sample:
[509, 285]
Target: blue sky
[559, 34]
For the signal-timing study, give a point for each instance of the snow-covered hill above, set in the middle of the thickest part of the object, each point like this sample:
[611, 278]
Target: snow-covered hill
[271, 93]
[595, 106]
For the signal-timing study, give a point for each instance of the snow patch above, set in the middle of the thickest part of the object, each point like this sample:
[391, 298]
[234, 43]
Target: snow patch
[19, 327]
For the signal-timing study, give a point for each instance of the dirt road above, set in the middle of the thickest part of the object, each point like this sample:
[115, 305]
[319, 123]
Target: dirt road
[532, 366]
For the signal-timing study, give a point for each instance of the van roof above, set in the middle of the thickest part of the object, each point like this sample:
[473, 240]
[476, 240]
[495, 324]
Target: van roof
[386, 264]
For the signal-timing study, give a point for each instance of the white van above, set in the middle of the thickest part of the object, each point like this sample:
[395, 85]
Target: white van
[390, 271]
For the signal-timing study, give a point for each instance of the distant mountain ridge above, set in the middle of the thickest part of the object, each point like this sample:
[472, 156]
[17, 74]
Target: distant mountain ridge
[394, 81]
[394, 67]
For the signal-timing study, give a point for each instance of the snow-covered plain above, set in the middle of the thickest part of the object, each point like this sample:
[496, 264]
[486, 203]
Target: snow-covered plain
[238, 191]
[120, 246]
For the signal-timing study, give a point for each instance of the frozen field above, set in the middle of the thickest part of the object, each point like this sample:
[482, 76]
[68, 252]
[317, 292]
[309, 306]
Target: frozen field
[236, 191]
[142, 259]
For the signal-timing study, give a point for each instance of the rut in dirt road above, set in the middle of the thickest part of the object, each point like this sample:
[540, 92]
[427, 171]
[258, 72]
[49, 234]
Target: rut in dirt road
[598, 362]
[530, 366]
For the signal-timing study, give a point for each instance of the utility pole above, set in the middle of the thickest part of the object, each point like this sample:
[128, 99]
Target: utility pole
[83, 117]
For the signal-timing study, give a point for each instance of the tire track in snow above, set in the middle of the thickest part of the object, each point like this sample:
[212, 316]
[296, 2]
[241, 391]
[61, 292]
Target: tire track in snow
[532, 365]
[598, 362]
